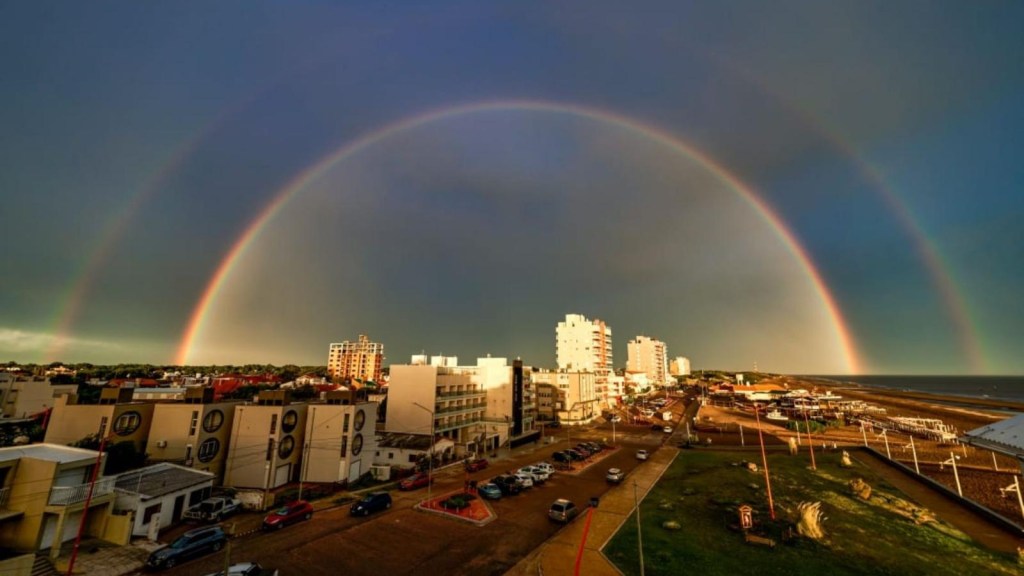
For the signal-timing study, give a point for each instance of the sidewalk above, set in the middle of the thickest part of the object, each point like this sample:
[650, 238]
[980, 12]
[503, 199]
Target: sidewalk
[557, 556]
[99, 558]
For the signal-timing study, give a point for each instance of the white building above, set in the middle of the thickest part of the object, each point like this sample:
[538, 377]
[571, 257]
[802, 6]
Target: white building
[341, 438]
[680, 366]
[649, 356]
[158, 494]
[582, 344]
[569, 397]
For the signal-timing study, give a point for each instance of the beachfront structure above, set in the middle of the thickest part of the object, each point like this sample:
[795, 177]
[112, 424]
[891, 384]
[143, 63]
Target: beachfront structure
[22, 396]
[583, 345]
[679, 366]
[565, 396]
[43, 494]
[650, 356]
[1003, 437]
[478, 408]
[266, 441]
[116, 415]
[193, 432]
[341, 436]
[361, 360]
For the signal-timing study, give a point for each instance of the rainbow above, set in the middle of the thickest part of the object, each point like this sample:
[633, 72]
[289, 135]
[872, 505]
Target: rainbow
[319, 168]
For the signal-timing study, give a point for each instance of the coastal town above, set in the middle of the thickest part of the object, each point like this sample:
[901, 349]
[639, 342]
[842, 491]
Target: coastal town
[491, 467]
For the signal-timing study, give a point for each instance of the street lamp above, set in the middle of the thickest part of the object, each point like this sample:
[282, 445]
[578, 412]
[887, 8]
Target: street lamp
[430, 461]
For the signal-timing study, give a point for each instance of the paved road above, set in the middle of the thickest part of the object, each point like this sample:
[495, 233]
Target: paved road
[406, 541]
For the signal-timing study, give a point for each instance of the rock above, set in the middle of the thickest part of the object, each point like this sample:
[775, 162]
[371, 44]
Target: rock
[845, 462]
[751, 466]
[666, 506]
[753, 486]
[671, 525]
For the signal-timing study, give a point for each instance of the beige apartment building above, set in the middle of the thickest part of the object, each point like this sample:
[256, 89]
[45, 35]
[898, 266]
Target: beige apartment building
[121, 419]
[25, 396]
[43, 488]
[583, 344]
[266, 442]
[650, 356]
[340, 437]
[443, 399]
[194, 432]
[569, 397]
[359, 360]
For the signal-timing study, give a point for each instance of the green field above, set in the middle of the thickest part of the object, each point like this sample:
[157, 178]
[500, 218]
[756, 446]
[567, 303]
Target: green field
[702, 491]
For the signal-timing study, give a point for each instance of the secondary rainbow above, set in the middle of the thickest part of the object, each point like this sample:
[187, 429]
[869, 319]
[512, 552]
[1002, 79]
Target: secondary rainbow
[317, 169]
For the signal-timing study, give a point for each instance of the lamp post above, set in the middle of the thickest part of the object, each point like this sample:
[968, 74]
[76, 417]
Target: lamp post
[430, 458]
[952, 460]
[764, 460]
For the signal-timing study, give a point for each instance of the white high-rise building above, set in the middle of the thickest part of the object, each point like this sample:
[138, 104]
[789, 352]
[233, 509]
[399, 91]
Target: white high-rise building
[650, 356]
[583, 345]
[680, 366]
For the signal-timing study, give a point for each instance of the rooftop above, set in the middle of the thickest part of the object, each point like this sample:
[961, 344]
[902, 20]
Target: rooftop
[49, 452]
[1005, 436]
[159, 479]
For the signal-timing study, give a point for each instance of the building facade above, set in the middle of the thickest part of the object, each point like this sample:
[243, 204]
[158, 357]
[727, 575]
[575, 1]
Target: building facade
[583, 345]
[650, 356]
[680, 366]
[266, 442]
[119, 417]
[24, 396]
[194, 432]
[360, 360]
[567, 397]
[341, 437]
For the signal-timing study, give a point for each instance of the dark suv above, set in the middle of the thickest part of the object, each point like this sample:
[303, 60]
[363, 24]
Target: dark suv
[191, 544]
[372, 502]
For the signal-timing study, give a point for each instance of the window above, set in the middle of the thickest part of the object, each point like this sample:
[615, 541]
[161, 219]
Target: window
[359, 421]
[344, 446]
[147, 516]
[208, 449]
[194, 422]
[291, 418]
[286, 447]
[357, 445]
[213, 421]
[344, 426]
[273, 424]
[127, 423]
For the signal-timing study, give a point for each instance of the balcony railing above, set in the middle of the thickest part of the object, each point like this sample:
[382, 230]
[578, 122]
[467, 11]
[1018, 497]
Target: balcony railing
[444, 427]
[461, 394]
[460, 409]
[68, 495]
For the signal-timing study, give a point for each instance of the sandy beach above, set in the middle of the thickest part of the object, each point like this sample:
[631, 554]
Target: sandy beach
[981, 472]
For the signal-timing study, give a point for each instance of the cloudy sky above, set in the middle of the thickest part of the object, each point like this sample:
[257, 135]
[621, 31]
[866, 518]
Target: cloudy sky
[809, 187]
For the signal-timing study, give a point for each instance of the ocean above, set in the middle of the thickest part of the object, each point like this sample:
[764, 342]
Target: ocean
[1002, 387]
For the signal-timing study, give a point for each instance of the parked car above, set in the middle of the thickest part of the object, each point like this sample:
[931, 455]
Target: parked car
[667, 429]
[417, 480]
[476, 465]
[525, 480]
[372, 502]
[641, 454]
[490, 491]
[191, 544]
[288, 514]
[615, 475]
[587, 451]
[595, 447]
[563, 510]
[213, 509]
[575, 454]
[508, 485]
[538, 475]
[562, 457]
[545, 467]
[246, 569]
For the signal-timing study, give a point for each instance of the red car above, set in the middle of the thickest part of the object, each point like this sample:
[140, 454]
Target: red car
[418, 480]
[476, 465]
[288, 514]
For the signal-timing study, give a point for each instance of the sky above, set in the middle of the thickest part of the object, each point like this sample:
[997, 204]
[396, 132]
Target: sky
[801, 187]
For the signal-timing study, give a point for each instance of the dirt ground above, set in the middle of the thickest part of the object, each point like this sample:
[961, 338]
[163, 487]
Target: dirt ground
[981, 472]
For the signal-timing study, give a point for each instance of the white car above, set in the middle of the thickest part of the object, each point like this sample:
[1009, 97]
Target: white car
[525, 480]
[615, 475]
[537, 474]
[641, 454]
[545, 467]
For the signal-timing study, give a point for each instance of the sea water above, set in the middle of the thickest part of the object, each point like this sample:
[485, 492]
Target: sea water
[996, 387]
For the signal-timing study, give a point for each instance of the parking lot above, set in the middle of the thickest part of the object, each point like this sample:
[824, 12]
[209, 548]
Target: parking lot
[403, 540]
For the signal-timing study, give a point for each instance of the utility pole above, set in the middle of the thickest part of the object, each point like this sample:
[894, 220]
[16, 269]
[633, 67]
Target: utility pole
[227, 549]
[764, 460]
[810, 439]
[88, 498]
[430, 461]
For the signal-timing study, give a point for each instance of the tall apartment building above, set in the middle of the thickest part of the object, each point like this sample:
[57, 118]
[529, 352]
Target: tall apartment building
[680, 366]
[582, 344]
[360, 360]
[650, 356]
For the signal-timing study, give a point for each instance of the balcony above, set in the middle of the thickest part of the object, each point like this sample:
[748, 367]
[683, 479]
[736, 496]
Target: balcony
[70, 495]
[444, 427]
[449, 410]
[459, 394]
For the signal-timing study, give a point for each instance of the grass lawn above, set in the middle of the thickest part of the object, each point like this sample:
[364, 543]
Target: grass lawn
[703, 489]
